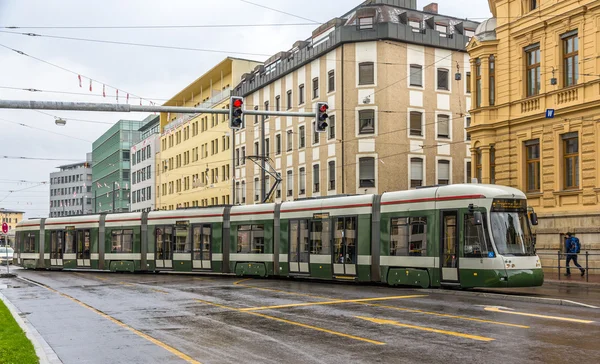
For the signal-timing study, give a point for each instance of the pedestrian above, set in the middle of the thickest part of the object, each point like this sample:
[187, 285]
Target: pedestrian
[572, 248]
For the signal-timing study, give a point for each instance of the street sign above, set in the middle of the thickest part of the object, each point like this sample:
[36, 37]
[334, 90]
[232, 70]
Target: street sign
[549, 113]
[4, 227]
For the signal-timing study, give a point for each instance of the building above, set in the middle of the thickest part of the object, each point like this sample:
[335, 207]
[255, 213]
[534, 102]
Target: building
[143, 164]
[71, 189]
[534, 123]
[111, 168]
[397, 111]
[195, 152]
[11, 218]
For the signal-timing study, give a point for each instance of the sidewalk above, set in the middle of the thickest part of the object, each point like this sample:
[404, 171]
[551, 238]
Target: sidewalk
[574, 278]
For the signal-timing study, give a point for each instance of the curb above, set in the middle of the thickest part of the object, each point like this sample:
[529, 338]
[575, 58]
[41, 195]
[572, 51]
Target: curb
[549, 301]
[42, 349]
[557, 282]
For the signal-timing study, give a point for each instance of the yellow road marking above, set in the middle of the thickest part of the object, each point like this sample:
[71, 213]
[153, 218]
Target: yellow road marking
[389, 307]
[447, 315]
[294, 323]
[101, 278]
[126, 284]
[170, 349]
[423, 328]
[330, 302]
[159, 291]
[497, 309]
[240, 281]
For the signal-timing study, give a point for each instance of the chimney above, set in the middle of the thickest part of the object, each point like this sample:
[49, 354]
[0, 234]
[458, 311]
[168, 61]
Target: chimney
[431, 8]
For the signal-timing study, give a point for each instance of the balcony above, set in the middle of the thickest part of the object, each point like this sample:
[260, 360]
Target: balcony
[216, 98]
[531, 104]
[567, 96]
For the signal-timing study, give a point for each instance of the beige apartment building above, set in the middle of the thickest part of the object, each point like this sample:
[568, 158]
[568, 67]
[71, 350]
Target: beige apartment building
[193, 167]
[397, 110]
[534, 58]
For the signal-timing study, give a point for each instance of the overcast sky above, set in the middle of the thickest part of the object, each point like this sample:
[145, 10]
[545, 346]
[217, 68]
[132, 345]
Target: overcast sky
[152, 73]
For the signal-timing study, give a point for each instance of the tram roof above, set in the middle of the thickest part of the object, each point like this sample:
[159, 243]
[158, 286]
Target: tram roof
[456, 190]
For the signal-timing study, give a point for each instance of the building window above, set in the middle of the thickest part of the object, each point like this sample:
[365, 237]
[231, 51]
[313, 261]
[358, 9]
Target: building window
[416, 172]
[468, 125]
[265, 117]
[366, 172]
[571, 160]
[492, 77]
[532, 161]
[301, 94]
[443, 129]
[243, 161]
[255, 116]
[468, 82]
[478, 82]
[278, 144]
[492, 165]
[416, 75]
[533, 4]
[256, 152]
[302, 181]
[315, 87]
[331, 81]
[571, 58]
[532, 55]
[442, 79]
[416, 125]
[365, 23]
[468, 172]
[366, 73]
[301, 137]
[331, 165]
[331, 134]
[289, 99]
[415, 24]
[243, 191]
[277, 102]
[316, 178]
[237, 157]
[443, 172]
[267, 147]
[316, 137]
[256, 189]
[290, 190]
[290, 141]
[478, 168]
[443, 29]
[366, 121]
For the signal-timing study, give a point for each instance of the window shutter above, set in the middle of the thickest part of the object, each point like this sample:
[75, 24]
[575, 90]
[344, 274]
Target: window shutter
[443, 125]
[416, 168]
[444, 170]
[367, 168]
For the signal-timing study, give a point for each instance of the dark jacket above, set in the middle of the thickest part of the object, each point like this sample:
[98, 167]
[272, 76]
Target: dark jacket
[570, 246]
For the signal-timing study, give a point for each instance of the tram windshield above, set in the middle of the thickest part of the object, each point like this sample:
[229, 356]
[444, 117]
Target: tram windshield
[510, 227]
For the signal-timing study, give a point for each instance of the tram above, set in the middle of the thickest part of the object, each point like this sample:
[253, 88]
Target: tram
[462, 235]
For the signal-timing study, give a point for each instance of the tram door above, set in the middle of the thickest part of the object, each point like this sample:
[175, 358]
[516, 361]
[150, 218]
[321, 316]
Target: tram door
[299, 247]
[201, 235]
[164, 247]
[83, 248]
[56, 248]
[344, 246]
[449, 246]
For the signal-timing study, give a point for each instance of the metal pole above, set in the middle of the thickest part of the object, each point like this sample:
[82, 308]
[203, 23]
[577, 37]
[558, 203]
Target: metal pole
[95, 201]
[263, 174]
[113, 198]
[233, 179]
[559, 265]
[6, 247]
[90, 106]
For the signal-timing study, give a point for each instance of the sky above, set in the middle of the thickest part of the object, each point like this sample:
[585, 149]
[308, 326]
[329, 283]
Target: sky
[154, 74]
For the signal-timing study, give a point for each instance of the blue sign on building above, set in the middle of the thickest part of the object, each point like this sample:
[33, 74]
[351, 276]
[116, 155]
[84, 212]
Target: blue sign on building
[549, 113]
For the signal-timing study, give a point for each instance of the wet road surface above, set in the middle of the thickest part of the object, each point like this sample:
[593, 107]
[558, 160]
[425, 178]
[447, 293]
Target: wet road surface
[90, 317]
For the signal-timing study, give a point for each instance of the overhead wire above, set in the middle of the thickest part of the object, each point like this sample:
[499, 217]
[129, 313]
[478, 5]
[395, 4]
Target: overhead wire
[171, 26]
[45, 130]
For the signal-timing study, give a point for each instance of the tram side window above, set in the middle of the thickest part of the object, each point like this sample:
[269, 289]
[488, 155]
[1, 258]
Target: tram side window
[202, 238]
[251, 239]
[408, 236]
[83, 244]
[122, 241]
[319, 237]
[69, 242]
[182, 244]
[29, 243]
[477, 244]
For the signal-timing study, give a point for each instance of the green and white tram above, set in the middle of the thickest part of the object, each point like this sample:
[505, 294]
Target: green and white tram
[464, 235]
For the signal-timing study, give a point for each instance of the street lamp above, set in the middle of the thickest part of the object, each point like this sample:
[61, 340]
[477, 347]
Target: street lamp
[60, 122]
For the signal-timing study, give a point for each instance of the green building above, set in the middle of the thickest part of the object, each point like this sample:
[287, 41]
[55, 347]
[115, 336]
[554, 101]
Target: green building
[111, 183]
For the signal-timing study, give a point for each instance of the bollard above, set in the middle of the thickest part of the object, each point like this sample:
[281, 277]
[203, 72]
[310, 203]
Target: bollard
[587, 269]
[559, 265]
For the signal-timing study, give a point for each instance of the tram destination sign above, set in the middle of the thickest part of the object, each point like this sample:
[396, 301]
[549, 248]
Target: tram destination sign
[182, 223]
[321, 216]
[509, 204]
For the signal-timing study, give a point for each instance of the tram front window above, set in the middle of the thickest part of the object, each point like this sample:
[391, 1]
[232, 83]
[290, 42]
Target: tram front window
[511, 233]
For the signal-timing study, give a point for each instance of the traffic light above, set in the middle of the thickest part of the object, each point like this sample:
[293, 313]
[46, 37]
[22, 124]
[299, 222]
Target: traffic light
[321, 117]
[236, 118]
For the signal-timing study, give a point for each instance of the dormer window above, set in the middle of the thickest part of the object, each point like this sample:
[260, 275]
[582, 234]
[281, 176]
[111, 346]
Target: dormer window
[365, 23]
[469, 33]
[443, 29]
[415, 24]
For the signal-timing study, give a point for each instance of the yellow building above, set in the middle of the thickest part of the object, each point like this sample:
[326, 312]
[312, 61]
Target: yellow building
[194, 163]
[535, 126]
[11, 218]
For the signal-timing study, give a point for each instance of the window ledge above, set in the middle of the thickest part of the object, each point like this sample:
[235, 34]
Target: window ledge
[534, 194]
[568, 192]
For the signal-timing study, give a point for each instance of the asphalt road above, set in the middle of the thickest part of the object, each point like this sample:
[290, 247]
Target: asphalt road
[163, 318]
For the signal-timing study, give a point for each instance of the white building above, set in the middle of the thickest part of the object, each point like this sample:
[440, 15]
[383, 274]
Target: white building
[71, 189]
[143, 175]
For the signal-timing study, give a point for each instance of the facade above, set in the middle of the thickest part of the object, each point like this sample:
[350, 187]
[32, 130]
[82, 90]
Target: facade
[11, 218]
[194, 165]
[111, 168]
[397, 113]
[71, 189]
[143, 163]
[535, 56]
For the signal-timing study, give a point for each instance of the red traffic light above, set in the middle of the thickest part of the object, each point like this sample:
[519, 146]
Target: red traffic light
[238, 103]
[323, 108]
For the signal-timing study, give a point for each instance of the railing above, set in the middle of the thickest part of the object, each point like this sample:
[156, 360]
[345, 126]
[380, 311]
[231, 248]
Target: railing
[560, 255]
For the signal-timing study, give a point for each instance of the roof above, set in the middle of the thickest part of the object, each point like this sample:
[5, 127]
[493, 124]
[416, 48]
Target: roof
[4, 211]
